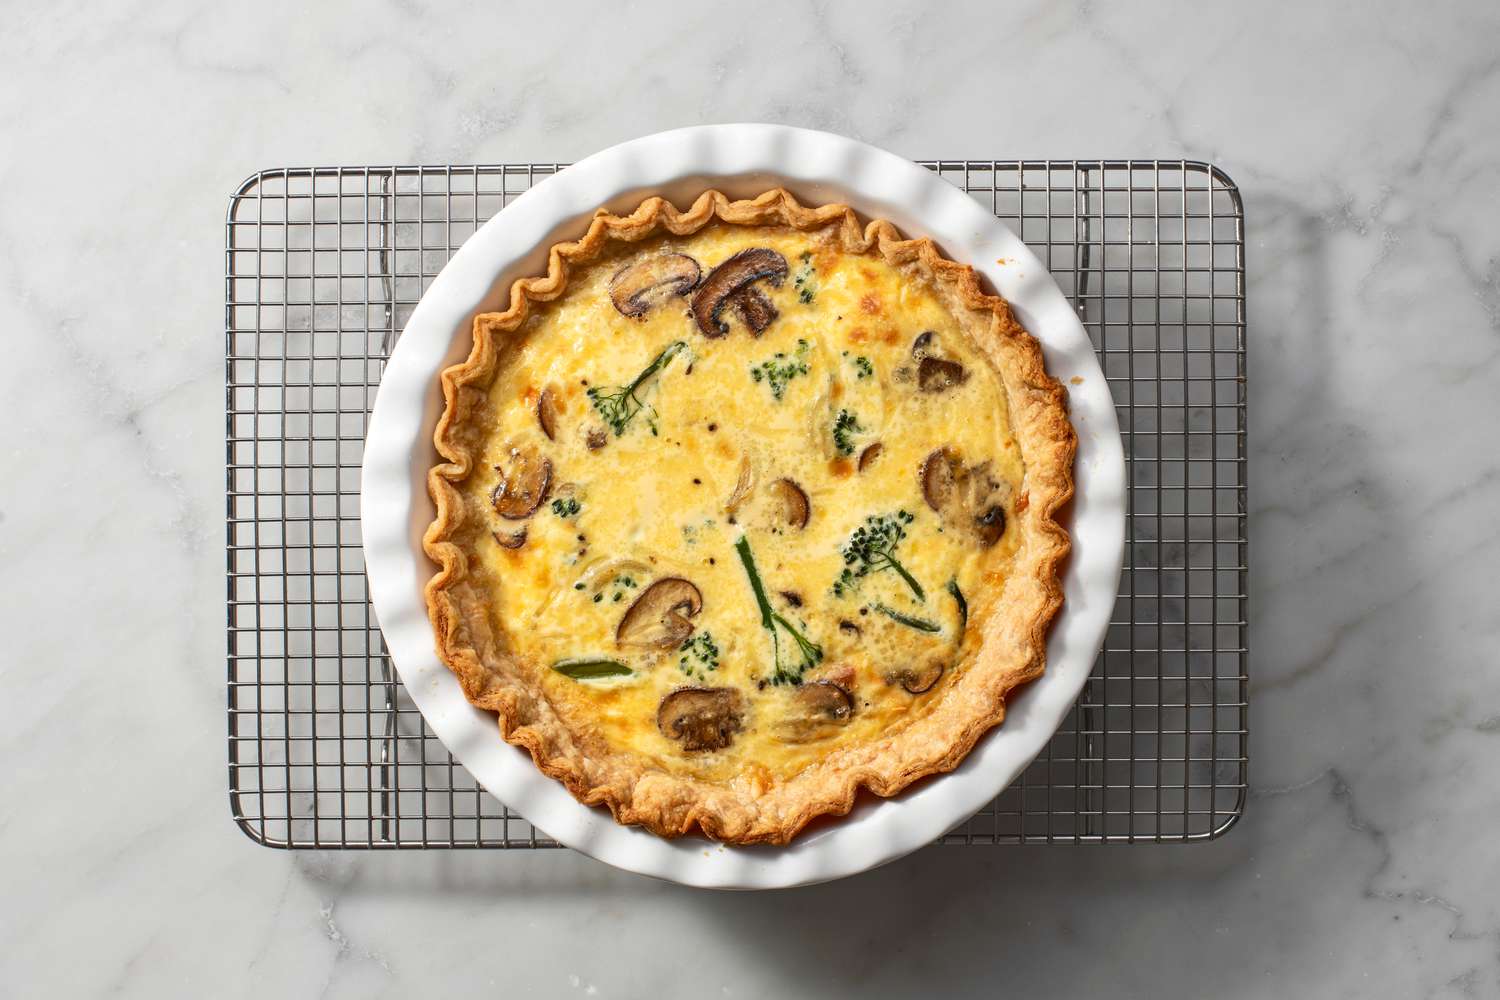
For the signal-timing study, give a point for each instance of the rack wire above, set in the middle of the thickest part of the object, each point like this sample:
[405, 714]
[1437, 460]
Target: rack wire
[323, 268]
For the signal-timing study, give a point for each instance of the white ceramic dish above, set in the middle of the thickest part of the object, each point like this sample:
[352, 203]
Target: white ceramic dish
[742, 160]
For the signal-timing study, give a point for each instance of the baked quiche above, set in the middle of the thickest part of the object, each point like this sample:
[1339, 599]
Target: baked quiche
[744, 508]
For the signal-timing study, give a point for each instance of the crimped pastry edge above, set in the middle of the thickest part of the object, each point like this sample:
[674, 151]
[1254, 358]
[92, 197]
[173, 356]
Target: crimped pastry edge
[1012, 645]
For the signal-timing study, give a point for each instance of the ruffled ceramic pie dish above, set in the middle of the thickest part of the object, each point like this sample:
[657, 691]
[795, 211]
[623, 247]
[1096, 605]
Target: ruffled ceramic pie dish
[628, 628]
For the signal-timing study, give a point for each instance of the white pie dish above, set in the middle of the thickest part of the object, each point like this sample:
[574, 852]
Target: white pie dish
[742, 160]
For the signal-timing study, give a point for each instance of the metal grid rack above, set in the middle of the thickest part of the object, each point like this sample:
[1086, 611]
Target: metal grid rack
[323, 269]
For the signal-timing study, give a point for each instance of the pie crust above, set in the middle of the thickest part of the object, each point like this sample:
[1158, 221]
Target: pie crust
[1005, 645]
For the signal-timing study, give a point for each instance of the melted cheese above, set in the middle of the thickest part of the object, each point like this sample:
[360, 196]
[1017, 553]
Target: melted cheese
[652, 504]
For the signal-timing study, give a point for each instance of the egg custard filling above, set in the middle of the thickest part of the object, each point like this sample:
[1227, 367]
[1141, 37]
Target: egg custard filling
[744, 508]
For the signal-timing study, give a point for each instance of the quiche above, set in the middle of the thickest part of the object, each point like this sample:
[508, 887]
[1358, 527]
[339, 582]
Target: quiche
[744, 508]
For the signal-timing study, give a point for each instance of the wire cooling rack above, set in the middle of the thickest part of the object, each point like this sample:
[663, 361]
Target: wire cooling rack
[323, 269]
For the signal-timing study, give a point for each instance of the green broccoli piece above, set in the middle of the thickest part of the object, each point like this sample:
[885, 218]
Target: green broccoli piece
[845, 426]
[807, 288]
[779, 369]
[810, 652]
[863, 368]
[910, 621]
[699, 654]
[872, 548]
[618, 405]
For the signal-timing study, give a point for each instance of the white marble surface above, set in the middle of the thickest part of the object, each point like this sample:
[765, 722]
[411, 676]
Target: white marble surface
[1366, 139]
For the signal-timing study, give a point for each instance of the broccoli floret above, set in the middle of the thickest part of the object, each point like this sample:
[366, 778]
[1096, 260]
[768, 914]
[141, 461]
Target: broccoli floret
[811, 654]
[845, 426]
[618, 405]
[699, 654]
[807, 288]
[871, 548]
[863, 368]
[780, 369]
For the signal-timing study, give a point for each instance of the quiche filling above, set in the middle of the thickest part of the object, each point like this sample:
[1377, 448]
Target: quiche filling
[744, 508]
[740, 497]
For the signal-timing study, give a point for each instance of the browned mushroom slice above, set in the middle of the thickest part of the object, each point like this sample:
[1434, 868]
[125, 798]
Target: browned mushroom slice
[637, 287]
[817, 706]
[968, 497]
[523, 486]
[793, 507]
[989, 525]
[546, 413]
[919, 679]
[726, 280]
[511, 541]
[701, 718]
[754, 308]
[825, 701]
[939, 374]
[869, 455]
[980, 505]
[659, 617]
[940, 472]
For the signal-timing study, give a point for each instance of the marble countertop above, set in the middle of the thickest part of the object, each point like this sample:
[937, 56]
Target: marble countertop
[1366, 141]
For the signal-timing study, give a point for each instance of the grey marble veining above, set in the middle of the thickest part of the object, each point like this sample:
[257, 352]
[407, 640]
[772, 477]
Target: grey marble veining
[1366, 140]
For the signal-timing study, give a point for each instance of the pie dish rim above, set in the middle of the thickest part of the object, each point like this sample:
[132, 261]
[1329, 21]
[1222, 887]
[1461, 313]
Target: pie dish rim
[741, 159]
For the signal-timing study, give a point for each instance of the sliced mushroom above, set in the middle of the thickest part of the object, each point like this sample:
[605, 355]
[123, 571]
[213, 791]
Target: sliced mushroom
[522, 487]
[940, 472]
[596, 438]
[968, 497]
[817, 706]
[919, 679]
[726, 280]
[869, 455]
[982, 504]
[546, 413]
[939, 374]
[659, 617]
[935, 373]
[511, 541]
[754, 308]
[793, 507]
[742, 487]
[990, 525]
[701, 718]
[637, 287]
[826, 700]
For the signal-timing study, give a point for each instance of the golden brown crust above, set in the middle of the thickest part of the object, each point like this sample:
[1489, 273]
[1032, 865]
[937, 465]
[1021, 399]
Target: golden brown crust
[1013, 630]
